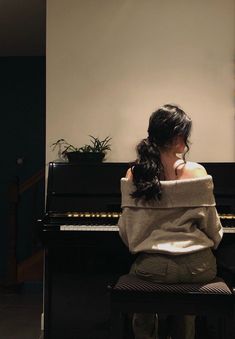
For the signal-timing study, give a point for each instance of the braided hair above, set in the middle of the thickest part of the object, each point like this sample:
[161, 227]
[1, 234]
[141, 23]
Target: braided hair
[165, 124]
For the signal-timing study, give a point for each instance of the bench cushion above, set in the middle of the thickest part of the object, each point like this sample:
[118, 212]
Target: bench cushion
[131, 283]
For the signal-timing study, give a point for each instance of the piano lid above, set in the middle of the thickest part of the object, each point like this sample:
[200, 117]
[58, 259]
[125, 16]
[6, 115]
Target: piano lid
[223, 174]
[96, 187]
[84, 187]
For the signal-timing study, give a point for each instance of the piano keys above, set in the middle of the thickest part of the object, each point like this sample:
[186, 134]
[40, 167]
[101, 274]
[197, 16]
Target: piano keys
[228, 222]
[103, 221]
[83, 250]
[109, 224]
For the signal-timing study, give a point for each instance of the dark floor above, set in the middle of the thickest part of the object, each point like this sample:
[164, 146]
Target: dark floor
[20, 313]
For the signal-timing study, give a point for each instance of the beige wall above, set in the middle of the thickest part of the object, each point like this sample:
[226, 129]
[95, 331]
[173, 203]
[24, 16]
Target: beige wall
[110, 63]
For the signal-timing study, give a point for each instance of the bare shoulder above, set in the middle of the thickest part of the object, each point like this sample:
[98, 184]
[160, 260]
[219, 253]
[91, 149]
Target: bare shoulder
[193, 170]
[129, 174]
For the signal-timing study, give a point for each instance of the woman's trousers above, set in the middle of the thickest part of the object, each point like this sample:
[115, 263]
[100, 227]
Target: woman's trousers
[187, 268]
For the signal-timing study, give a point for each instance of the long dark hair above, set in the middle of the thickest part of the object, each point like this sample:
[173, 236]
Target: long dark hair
[165, 124]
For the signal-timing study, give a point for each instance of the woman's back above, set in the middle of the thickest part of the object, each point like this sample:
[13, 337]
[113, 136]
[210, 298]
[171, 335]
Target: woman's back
[183, 221]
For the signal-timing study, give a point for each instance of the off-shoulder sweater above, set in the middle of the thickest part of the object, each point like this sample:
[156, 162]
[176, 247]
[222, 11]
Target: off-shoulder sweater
[184, 220]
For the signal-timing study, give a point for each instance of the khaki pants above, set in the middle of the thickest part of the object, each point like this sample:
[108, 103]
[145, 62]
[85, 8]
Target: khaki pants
[188, 268]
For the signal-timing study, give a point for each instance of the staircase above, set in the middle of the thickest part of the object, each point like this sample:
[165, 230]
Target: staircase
[30, 269]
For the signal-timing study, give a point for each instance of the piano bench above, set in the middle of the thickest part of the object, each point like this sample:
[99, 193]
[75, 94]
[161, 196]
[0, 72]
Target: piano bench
[134, 295]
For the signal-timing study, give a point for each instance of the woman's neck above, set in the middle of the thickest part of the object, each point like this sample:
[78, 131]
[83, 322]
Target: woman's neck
[170, 161]
[169, 157]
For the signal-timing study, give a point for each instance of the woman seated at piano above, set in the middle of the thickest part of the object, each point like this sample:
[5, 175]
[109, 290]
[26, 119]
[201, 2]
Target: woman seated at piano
[169, 217]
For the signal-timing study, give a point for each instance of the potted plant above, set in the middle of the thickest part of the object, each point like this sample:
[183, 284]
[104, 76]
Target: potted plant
[93, 152]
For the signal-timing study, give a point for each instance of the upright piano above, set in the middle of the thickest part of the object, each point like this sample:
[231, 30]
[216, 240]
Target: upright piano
[83, 250]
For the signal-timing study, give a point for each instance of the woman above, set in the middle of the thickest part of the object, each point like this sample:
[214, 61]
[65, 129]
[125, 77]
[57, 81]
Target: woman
[169, 216]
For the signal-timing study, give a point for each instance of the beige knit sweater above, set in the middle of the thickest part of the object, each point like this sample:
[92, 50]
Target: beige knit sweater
[184, 220]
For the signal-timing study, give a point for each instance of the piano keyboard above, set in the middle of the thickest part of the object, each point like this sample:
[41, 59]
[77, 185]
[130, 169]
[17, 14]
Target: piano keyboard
[107, 222]
[112, 228]
[99, 228]
[229, 229]
[228, 222]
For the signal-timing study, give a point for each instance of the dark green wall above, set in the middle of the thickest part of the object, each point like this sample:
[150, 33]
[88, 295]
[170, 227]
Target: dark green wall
[22, 107]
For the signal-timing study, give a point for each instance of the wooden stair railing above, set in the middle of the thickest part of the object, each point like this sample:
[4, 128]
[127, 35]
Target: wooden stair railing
[31, 268]
[34, 179]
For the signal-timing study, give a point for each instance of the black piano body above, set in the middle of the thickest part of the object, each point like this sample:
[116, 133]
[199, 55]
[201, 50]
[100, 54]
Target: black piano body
[83, 250]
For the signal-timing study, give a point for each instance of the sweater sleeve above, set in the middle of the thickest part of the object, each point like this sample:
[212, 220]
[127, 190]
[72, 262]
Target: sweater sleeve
[211, 225]
[122, 229]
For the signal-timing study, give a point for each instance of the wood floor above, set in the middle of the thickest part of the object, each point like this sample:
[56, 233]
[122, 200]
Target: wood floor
[20, 313]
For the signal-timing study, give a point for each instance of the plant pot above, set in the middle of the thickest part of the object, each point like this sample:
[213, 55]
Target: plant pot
[85, 157]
